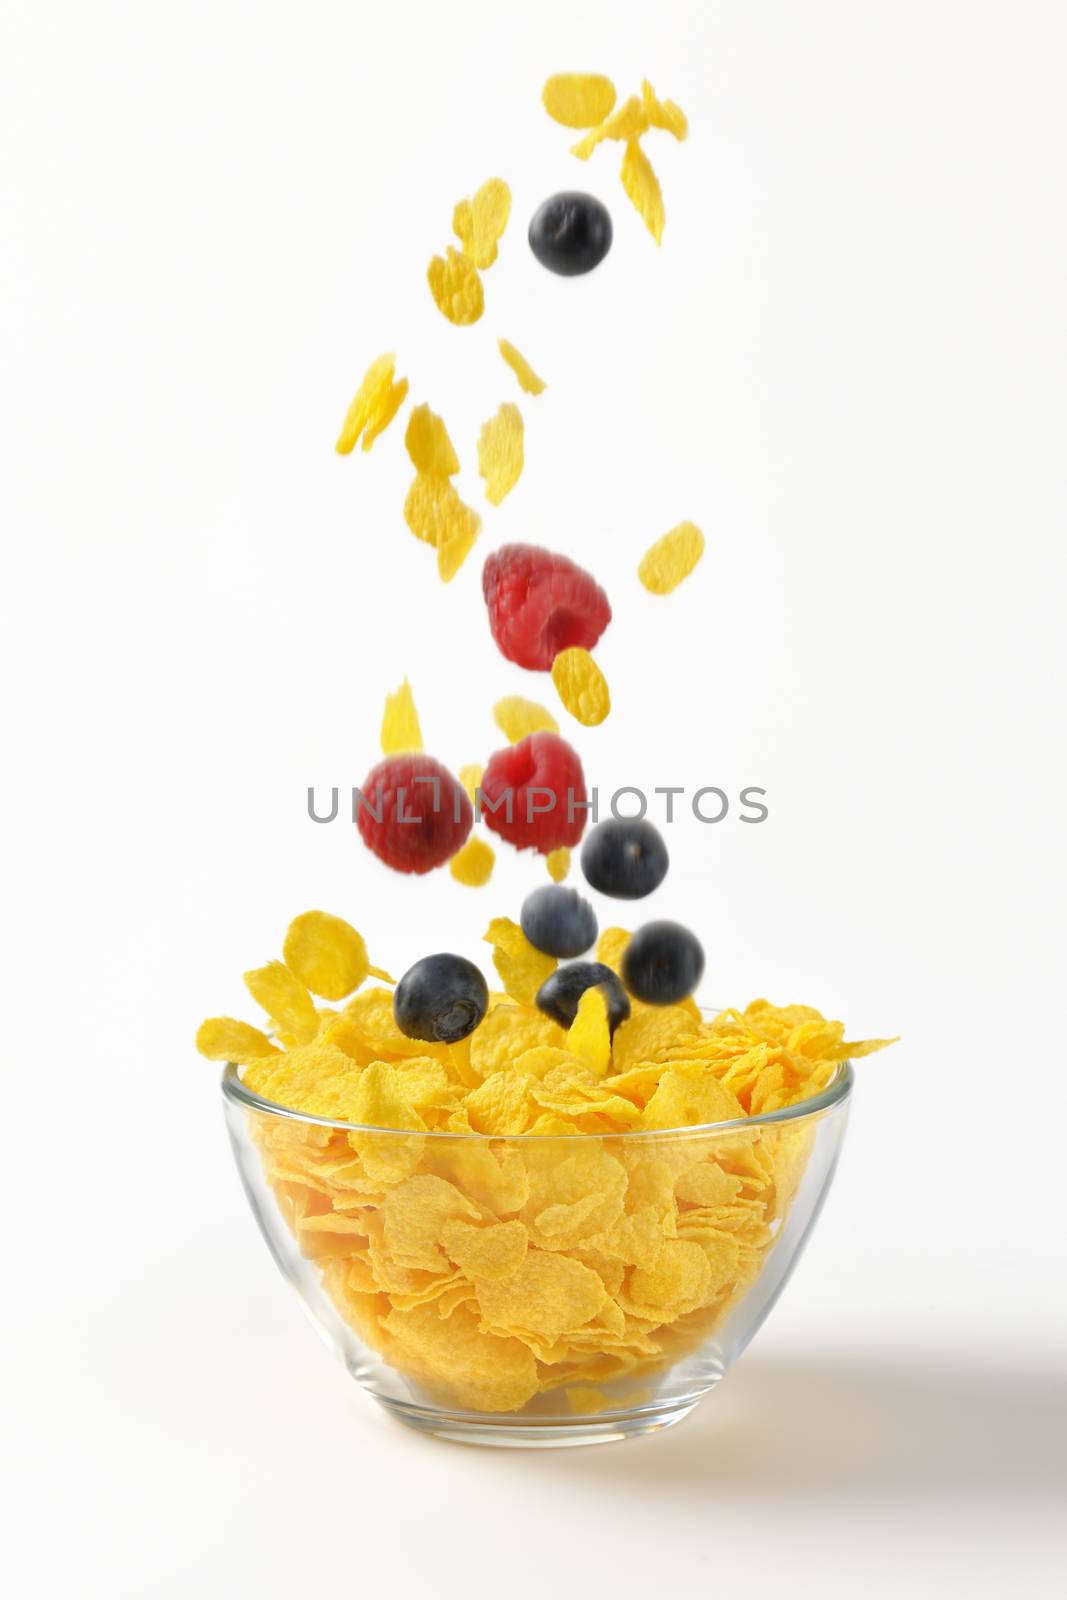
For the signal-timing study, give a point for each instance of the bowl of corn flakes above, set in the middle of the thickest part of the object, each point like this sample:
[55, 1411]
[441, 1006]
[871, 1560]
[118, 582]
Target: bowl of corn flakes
[537, 1236]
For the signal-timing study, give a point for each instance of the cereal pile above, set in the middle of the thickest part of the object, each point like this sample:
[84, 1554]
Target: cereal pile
[494, 1269]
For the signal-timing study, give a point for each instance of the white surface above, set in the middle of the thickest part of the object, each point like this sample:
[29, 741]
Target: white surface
[847, 364]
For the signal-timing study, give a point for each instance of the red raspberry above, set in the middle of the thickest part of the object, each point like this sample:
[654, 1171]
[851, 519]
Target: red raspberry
[538, 821]
[419, 824]
[540, 604]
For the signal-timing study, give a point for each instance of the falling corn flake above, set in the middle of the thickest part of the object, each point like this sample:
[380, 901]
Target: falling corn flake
[376, 403]
[326, 954]
[516, 717]
[456, 288]
[522, 969]
[479, 223]
[226, 1039]
[428, 444]
[528, 379]
[285, 1000]
[500, 452]
[558, 863]
[671, 558]
[630, 121]
[400, 723]
[581, 686]
[664, 114]
[642, 186]
[471, 777]
[472, 865]
[435, 513]
[578, 99]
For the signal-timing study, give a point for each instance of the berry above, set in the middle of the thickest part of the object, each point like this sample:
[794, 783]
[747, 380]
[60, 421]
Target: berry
[538, 789]
[559, 995]
[414, 814]
[442, 998]
[626, 859]
[662, 964]
[571, 233]
[558, 921]
[539, 604]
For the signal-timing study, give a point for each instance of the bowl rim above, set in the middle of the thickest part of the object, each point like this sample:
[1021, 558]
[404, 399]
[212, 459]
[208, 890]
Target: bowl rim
[837, 1091]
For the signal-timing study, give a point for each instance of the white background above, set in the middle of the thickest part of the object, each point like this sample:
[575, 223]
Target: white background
[847, 364]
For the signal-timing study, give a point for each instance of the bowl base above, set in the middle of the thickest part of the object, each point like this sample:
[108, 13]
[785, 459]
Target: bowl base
[551, 1433]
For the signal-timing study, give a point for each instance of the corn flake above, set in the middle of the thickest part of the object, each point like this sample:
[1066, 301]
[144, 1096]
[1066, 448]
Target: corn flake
[456, 288]
[376, 403]
[642, 186]
[500, 452]
[522, 969]
[558, 863]
[581, 686]
[578, 99]
[664, 114]
[472, 863]
[326, 954]
[479, 223]
[285, 1000]
[428, 444]
[588, 1036]
[671, 558]
[226, 1039]
[529, 382]
[629, 122]
[400, 723]
[516, 717]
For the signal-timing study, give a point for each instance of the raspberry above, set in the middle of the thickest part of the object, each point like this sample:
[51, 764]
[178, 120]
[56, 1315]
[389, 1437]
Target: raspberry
[414, 814]
[540, 604]
[542, 776]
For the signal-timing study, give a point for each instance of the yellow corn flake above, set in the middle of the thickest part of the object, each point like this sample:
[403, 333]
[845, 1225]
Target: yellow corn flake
[522, 969]
[458, 1363]
[326, 954]
[664, 114]
[690, 1096]
[472, 864]
[629, 122]
[376, 403]
[500, 1105]
[435, 513]
[678, 1283]
[529, 382]
[456, 288]
[516, 717]
[486, 1254]
[548, 1296]
[285, 1000]
[471, 778]
[558, 863]
[578, 99]
[226, 1039]
[588, 1036]
[610, 946]
[507, 1033]
[400, 723]
[428, 444]
[642, 187]
[479, 224]
[500, 452]
[671, 558]
[414, 1217]
[581, 686]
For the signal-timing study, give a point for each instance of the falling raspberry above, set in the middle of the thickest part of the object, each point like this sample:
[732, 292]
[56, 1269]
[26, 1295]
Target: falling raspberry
[414, 815]
[540, 603]
[538, 790]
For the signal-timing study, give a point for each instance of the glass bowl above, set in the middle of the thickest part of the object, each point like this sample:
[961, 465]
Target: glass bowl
[537, 1290]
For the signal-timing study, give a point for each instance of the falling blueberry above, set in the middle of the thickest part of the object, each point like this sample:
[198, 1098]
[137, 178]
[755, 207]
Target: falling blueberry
[442, 997]
[625, 858]
[559, 995]
[662, 963]
[571, 233]
[558, 921]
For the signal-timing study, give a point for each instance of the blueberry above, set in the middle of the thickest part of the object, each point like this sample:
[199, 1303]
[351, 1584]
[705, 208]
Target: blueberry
[626, 859]
[558, 921]
[442, 998]
[559, 995]
[662, 964]
[571, 233]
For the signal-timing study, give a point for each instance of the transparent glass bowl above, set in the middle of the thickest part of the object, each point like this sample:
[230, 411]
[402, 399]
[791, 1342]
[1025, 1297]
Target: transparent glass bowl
[631, 1271]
